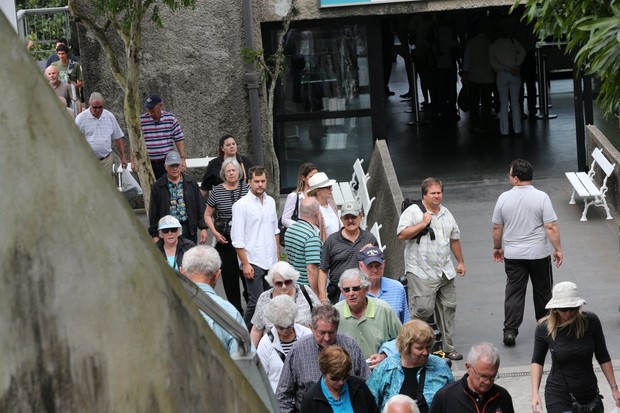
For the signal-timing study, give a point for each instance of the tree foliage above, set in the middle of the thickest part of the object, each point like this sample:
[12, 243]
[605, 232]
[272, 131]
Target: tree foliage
[590, 28]
[124, 18]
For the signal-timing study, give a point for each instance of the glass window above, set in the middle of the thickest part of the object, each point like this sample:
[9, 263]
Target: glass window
[322, 109]
[331, 144]
[326, 69]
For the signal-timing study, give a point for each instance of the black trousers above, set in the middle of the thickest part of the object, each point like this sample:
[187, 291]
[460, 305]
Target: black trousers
[518, 272]
[231, 274]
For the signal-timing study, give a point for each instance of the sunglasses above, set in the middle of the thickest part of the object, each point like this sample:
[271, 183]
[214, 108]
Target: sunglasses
[280, 284]
[349, 289]
[167, 230]
[280, 328]
[97, 107]
[564, 310]
[332, 378]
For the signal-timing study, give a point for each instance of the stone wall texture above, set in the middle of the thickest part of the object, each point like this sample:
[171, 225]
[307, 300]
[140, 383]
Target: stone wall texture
[383, 185]
[91, 317]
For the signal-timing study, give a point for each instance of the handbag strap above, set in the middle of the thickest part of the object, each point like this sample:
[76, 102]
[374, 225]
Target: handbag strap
[295, 215]
[420, 394]
[557, 363]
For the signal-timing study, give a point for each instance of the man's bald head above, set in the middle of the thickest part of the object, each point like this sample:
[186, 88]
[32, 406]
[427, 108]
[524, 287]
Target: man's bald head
[51, 73]
[309, 208]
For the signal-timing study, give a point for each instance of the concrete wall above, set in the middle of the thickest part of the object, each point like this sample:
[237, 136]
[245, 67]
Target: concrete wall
[194, 63]
[91, 317]
[385, 210]
[596, 139]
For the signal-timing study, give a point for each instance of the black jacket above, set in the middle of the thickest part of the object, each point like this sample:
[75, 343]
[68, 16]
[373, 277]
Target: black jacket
[456, 397]
[182, 246]
[314, 400]
[212, 178]
[160, 204]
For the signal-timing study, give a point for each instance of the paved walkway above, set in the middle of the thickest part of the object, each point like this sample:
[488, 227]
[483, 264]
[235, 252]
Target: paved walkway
[474, 170]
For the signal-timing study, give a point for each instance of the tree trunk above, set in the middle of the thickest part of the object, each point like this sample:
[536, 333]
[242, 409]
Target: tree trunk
[272, 166]
[142, 164]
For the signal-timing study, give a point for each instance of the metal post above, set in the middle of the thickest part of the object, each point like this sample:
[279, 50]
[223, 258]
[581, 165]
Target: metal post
[544, 90]
[415, 107]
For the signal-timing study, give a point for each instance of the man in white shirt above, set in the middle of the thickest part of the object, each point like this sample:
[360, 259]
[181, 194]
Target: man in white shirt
[255, 236]
[100, 128]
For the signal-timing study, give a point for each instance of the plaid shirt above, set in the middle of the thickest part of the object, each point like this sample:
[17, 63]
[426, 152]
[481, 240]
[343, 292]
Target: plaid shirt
[301, 370]
[429, 259]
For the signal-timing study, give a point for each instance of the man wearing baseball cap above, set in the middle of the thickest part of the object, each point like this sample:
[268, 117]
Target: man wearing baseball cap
[162, 134]
[391, 291]
[178, 195]
[340, 251]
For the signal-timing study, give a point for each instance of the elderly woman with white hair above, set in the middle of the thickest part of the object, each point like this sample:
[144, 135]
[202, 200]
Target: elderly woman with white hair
[170, 243]
[401, 403]
[283, 278]
[218, 217]
[277, 343]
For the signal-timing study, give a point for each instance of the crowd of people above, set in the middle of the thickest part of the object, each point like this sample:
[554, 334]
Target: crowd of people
[332, 331]
[496, 63]
[334, 334]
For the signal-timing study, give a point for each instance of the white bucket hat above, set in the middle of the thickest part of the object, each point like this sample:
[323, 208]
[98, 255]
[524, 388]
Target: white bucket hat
[565, 295]
[319, 180]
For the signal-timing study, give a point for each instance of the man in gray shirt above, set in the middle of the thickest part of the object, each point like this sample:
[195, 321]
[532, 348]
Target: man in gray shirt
[524, 224]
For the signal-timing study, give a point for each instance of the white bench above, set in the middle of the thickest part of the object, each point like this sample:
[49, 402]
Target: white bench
[360, 180]
[374, 230]
[584, 185]
[198, 162]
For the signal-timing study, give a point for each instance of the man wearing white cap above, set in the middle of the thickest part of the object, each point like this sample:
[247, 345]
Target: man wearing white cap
[340, 251]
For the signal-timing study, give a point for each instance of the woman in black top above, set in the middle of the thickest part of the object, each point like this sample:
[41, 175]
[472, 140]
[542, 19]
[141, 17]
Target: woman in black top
[218, 216]
[572, 336]
[227, 150]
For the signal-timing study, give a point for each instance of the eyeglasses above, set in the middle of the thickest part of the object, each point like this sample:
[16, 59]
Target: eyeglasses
[349, 289]
[484, 377]
[167, 230]
[280, 328]
[322, 333]
[564, 310]
[280, 284]
[97, 107]
[345, 378]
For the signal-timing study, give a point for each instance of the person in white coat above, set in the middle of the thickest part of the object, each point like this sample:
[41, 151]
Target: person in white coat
[275, 345]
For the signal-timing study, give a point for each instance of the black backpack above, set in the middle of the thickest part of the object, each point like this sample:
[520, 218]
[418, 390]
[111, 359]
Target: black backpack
[407, 202]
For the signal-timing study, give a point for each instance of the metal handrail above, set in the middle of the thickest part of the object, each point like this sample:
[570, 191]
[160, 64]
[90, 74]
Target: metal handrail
[208, 306]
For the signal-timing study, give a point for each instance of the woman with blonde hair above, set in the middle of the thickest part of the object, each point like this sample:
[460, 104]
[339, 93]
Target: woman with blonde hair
[572, 336]
[290, 213]
[320, 187]
[413, 371]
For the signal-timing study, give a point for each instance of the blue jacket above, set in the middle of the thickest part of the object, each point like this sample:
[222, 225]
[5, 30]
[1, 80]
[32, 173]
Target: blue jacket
[388, 377]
